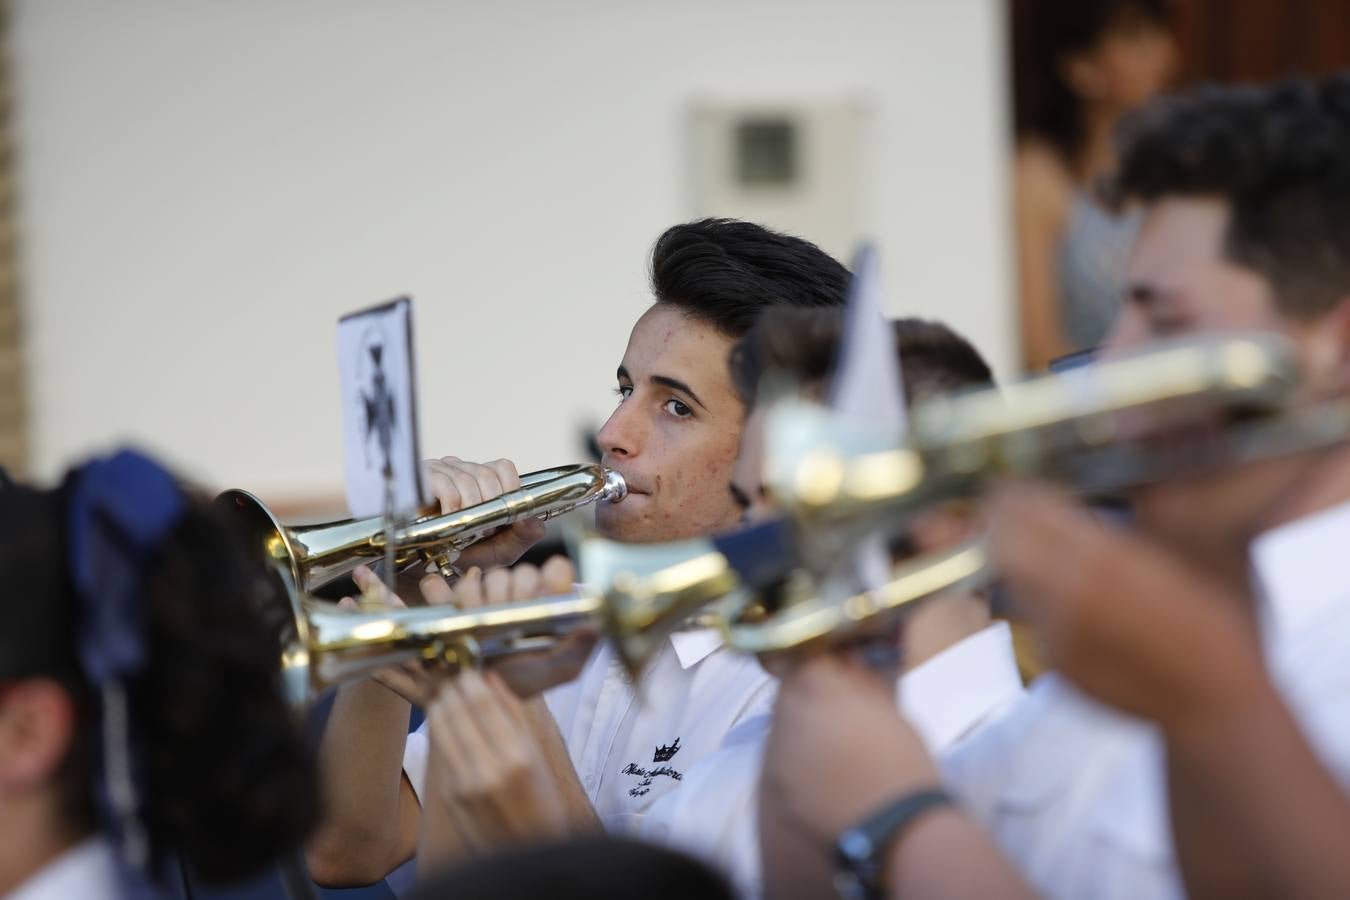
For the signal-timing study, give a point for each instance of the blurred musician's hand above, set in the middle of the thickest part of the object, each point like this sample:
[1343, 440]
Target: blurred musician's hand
[1119, 615]
[457, 484]
[838, 747]
[488, 782]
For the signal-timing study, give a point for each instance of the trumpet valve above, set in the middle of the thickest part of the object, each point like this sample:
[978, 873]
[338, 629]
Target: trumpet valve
[444, 561]
[453, 655]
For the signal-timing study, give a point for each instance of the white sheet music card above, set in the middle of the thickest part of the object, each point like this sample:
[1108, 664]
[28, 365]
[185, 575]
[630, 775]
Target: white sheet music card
[379, 410]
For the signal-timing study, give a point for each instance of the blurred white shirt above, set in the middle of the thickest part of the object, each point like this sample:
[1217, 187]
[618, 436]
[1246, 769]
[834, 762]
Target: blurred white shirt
[632, 747]
[1076, 793]
[715, 814]
[87, 870]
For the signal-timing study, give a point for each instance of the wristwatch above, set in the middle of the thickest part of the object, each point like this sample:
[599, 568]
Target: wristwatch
[860, 852]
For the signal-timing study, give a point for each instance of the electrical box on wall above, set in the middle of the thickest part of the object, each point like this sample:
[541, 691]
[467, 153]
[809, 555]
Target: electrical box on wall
[797, 167]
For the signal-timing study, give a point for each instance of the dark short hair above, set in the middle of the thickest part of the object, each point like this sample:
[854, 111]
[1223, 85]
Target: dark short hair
[229, 782]
[595, 867]
[1044, 33]
[726, 272]
[805, 345]
[1279, 156]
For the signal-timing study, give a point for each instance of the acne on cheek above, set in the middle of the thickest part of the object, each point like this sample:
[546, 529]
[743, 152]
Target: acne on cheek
[706, 486]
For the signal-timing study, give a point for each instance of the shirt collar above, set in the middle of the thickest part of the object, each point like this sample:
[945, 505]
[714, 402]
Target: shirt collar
[947, 696]
[694, 645]
[85, 870]
[1298, 571]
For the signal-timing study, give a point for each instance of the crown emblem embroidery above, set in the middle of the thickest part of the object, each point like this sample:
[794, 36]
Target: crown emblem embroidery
[665, 752]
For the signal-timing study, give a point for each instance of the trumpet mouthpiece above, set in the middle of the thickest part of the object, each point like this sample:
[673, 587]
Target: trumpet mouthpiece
[615, 488]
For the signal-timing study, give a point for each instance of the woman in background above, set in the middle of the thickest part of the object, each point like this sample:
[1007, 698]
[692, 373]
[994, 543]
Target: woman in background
[141, 720]
[1079, 65]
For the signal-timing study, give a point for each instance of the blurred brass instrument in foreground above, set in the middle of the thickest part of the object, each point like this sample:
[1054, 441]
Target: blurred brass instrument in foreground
[1103, 428]
[1118, 424]
[819, 618]
[638, 600]
[316, 555]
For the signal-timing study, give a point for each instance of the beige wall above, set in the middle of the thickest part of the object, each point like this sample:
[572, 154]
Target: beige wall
[207, 186]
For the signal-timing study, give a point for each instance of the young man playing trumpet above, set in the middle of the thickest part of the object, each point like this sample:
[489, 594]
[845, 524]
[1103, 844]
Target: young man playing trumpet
[674, 437]
[1225, 596]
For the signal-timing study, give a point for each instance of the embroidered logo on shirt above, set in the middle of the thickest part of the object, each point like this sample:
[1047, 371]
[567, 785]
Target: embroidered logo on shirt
[662, 754]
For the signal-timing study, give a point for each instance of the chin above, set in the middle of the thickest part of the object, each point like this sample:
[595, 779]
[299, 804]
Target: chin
[614, 525]
[1193, 518]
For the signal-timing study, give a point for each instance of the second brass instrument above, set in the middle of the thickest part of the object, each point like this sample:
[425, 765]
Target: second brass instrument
[640, 595]
[1087, 428]
[1117, 425]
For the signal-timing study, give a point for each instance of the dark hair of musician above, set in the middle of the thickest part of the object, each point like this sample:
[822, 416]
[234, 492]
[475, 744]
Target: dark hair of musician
[1046, 33]
[228, 781]
[613, 868]
[726, 272]
[805, 345]
[1279, 156]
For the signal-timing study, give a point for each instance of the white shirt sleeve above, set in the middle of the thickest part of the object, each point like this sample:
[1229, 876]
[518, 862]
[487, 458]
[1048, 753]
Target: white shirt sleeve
[415, 759]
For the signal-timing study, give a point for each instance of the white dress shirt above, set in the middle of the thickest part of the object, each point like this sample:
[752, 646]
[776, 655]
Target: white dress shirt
[631, 747]
[714, 815]
[86, 871]
[1076, 793]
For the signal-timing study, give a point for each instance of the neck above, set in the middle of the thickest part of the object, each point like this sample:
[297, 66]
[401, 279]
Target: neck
[30, 839]
[1322, 482]
[1308, 483]
[1096, 155]
[935, 626]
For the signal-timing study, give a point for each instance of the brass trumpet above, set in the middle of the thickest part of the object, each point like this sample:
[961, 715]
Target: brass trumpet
[315, 555]
[643, 598]
[1096, 430]
[1090, 428]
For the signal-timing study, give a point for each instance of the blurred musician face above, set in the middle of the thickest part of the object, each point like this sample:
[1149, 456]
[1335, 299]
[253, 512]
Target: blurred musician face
[37, 724]
[747, 476]
[675, 432]
[1181, 282]
[929, 628]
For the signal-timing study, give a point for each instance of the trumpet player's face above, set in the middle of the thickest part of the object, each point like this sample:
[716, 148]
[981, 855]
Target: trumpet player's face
[1182, 282]
[675, 433]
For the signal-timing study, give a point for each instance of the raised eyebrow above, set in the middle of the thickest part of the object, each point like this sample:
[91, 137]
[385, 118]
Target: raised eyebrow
[622, 374]
[676, 384]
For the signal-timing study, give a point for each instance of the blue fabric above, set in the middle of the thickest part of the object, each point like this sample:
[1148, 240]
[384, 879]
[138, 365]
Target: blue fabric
[762, 554]
[121, 509]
